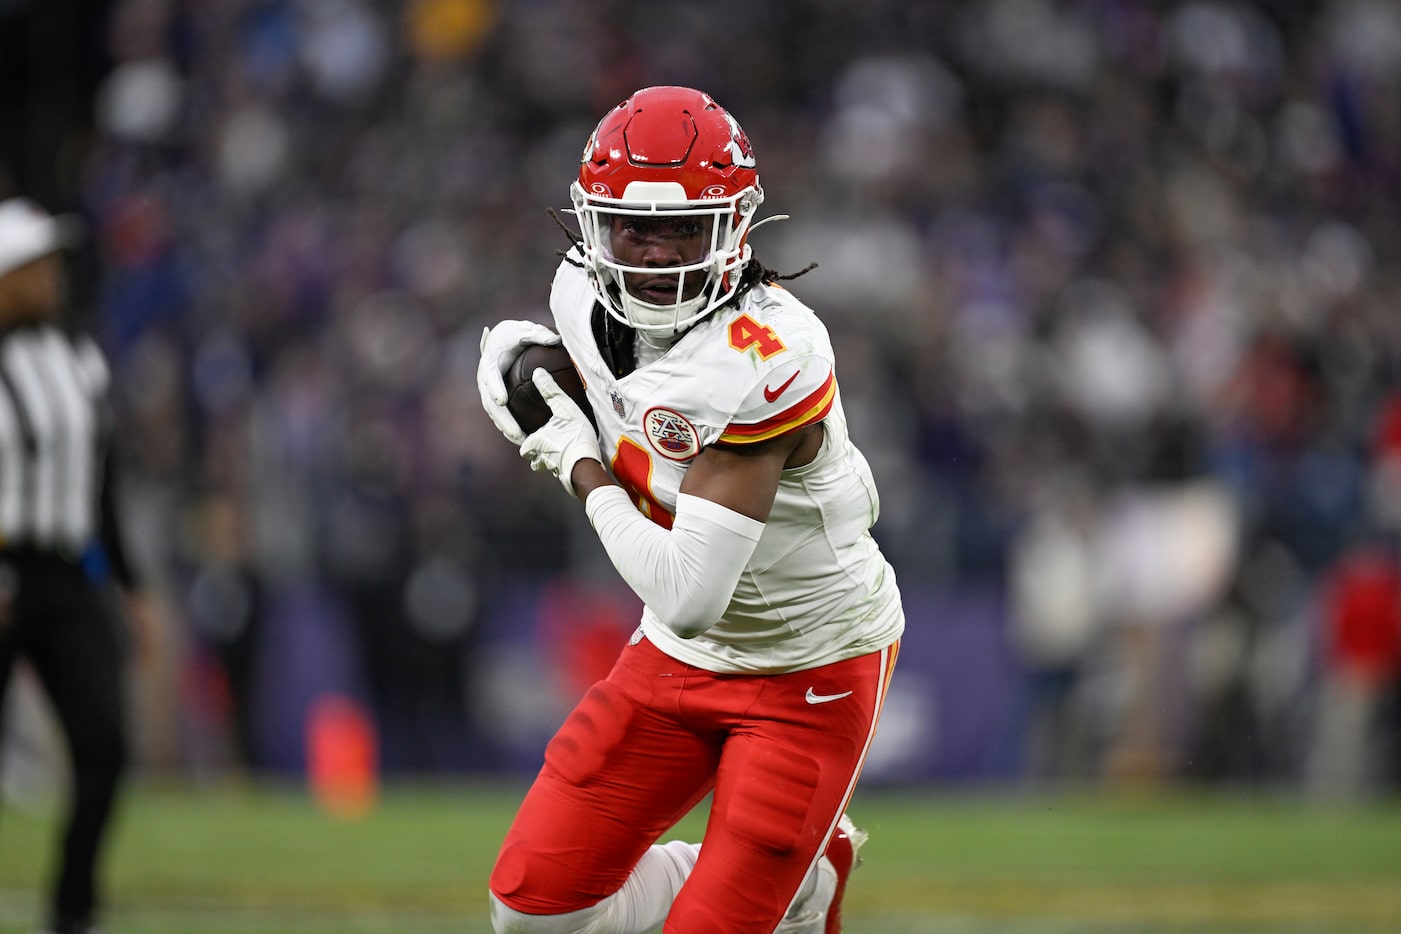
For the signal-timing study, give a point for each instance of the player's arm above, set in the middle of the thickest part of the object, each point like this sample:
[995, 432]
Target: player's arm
[778, 426]
[687, 574]
[742, 478]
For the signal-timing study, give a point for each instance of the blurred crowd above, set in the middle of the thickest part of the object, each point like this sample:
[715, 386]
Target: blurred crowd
[1115, 287]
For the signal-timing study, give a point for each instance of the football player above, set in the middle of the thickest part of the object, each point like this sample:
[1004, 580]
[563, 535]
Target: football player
[724, 487]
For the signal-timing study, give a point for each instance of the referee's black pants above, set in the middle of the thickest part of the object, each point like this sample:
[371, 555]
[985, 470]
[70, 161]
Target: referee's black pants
[63, 623]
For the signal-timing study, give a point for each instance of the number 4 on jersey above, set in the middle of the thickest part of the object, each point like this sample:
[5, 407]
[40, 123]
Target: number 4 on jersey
[745, 332]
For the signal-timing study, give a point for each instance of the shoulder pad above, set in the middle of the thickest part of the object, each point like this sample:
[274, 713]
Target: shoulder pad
[798, 392]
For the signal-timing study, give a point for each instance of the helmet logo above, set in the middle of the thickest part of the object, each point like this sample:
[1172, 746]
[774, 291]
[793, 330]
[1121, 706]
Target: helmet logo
[741, 153]
[714, 191]
[670, 434]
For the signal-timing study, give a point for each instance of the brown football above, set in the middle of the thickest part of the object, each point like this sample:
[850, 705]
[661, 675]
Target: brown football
[523, 399]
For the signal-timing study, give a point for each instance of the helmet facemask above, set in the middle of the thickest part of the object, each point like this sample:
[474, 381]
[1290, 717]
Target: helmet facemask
[723, 222]
[666, 156]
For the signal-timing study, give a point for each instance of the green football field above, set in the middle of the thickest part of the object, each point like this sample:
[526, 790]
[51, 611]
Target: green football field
[265, 860]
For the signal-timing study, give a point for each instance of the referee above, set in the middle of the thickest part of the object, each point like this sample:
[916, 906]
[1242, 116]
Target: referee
[59, 543]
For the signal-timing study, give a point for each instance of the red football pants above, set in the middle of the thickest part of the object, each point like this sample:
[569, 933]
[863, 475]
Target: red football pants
[642, 748]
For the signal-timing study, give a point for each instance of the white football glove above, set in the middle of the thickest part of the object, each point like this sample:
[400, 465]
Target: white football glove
[567, 438]
[500, 347]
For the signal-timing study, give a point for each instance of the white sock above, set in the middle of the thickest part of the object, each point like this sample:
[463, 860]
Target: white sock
[643, 902]
[808, 912]
[805, 891]
[641, 905]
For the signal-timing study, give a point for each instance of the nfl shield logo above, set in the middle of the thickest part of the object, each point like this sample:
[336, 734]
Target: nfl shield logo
[617, 402]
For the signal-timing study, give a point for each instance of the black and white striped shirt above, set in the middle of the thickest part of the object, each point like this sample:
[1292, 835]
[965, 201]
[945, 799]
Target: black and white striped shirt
[53, 439]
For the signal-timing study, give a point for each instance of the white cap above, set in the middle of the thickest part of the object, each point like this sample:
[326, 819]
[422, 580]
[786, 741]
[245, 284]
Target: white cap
[28, 232]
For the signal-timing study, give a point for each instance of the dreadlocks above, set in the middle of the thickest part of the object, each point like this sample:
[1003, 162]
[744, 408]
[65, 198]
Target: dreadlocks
[756, 272]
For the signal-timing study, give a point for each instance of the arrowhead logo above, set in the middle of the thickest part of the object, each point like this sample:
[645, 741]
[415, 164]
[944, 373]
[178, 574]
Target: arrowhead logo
[771, 394]
[813, 697]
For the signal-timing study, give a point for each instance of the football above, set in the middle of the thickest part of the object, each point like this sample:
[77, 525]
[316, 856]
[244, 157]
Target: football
[523, 399]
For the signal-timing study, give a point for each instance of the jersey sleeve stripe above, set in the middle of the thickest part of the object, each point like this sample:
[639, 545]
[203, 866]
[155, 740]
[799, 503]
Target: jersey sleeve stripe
[810, 409]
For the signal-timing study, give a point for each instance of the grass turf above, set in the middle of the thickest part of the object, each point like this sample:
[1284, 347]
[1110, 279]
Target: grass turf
[266, 860]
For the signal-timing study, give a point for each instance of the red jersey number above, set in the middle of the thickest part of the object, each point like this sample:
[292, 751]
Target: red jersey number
[633, 467]
[745, 332]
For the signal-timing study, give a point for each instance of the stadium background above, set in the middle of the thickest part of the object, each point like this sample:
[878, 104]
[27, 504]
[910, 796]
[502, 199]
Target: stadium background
[1113, 284]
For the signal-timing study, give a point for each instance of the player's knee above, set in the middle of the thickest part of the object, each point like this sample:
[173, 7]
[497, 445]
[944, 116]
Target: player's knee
[506, 920]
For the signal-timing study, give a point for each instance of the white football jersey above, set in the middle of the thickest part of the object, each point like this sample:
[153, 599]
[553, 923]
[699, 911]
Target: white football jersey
[817, 589]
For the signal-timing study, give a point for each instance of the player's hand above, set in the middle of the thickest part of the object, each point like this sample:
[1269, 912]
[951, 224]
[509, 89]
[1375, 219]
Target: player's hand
[500, 346]
[567, 438]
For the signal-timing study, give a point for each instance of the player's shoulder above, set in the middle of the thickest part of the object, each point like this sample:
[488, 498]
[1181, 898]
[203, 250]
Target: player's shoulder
[571, 297]
[571, 282]
[792, 322]
[768, 327]
[787, 375]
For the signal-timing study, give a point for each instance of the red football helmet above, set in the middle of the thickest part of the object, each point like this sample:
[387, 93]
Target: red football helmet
[667, 152]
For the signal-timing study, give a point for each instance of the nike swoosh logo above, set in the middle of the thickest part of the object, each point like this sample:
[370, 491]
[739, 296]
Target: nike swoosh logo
[772, 394]
[814, 698]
